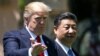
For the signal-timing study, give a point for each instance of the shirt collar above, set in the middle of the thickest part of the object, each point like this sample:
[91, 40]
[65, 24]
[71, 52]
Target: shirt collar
[65, 48]
[31, 33]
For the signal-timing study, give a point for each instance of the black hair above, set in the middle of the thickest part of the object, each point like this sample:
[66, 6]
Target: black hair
[66, 15]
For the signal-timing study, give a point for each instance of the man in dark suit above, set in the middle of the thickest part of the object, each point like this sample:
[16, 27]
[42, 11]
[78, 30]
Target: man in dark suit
[30, 41]
[65, 29]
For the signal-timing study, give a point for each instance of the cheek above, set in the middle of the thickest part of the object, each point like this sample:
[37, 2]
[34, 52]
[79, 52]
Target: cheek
[75, 32]
[62, 33]
[33, 23]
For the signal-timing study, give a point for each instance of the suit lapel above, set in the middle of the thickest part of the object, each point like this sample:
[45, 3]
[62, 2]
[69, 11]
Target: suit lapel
[46, 43]
[50, 46]
[60, 51]
[77, 54]
[26, 37]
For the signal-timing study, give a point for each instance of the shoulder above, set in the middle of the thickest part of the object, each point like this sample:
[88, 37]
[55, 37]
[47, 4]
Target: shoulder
[15, 32]
[45, 38]
[48, 40]
[76, 53]
[12, 34]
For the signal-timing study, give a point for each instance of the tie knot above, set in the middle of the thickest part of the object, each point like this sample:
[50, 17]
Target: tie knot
[70, 52]
[38, 39]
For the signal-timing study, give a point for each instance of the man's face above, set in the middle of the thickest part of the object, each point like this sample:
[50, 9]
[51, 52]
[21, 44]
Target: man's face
[66, 31]
[37, 22]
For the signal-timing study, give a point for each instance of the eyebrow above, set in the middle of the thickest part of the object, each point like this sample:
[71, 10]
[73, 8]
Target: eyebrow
[70, 24]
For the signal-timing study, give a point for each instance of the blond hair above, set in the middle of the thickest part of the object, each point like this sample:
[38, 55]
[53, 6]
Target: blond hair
[31, 8]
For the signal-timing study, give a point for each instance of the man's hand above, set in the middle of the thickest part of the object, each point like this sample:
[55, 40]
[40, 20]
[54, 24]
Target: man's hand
[37, 47]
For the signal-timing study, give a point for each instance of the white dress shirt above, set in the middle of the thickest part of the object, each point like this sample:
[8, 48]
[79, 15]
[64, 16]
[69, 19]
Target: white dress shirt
[34, 37]
[65, 48]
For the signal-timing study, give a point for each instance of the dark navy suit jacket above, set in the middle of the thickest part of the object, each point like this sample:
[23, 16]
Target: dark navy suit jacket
[60, 51]
[17, 43]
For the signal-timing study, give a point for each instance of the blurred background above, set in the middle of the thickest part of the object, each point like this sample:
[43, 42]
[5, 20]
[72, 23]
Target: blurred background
[87, 11]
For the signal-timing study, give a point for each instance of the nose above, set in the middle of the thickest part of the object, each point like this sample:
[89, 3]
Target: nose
[42, 21]
[71, 30]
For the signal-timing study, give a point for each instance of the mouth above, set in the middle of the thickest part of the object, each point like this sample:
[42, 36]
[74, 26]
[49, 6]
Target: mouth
[41, 27]
[69, 36]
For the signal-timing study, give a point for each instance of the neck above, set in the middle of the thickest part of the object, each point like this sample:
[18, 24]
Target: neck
[66, 43]
[35, 31]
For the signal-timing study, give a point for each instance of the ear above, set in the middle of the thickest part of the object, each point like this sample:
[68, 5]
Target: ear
[26, 18]
[55, 29]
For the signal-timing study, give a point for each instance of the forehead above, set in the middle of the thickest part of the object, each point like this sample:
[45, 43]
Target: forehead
[45, 14]
[68, 21]
[38, 9]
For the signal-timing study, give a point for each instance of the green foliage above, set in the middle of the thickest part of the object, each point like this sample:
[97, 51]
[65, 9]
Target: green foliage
[21, 4]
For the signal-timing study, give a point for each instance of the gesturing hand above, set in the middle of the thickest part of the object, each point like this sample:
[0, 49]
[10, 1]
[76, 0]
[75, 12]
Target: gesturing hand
[37, 47]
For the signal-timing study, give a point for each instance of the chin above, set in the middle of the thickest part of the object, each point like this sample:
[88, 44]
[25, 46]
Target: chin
[40, 33]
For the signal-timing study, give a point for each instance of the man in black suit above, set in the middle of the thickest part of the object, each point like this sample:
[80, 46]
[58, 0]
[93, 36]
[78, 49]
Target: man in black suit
[30, 41]
[65, 29]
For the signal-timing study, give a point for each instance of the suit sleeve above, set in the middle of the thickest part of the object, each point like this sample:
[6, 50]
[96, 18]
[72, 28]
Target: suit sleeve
[12, 45]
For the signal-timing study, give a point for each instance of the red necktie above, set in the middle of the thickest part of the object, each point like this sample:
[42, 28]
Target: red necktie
[39, 41]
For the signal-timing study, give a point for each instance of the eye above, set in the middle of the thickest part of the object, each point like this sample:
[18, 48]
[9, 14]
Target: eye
[44, 18]
[66, 27]
[38, 18]
[41, 18]
[74, 27]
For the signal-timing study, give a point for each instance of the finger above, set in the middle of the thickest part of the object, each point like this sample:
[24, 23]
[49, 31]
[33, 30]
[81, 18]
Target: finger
[44, 47]
[35, 45]
[32, 40]
[38, 46]
[40, 49]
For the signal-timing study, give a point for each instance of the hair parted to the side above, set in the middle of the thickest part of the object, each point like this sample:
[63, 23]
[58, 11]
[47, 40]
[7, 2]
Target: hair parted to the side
[31, 8]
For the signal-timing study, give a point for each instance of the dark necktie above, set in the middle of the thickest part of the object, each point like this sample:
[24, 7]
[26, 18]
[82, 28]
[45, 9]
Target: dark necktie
[39, 41]
[70, 53]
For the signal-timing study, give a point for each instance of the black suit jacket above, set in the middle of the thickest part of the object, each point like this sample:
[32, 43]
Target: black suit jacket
[17, 43]
[60, 51]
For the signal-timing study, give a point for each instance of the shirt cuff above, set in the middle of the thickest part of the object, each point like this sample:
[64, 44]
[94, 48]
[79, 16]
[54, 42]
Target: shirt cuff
[30, 51]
